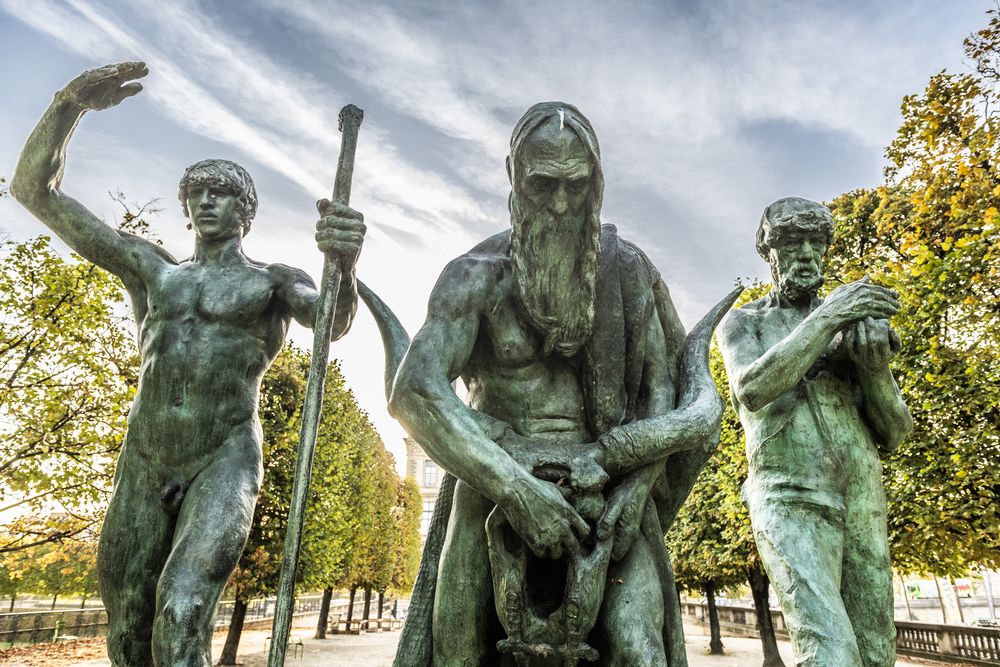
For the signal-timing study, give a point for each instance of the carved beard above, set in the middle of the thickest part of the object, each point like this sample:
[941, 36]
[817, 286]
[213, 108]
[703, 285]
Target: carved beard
[555, 274]
[797, 289]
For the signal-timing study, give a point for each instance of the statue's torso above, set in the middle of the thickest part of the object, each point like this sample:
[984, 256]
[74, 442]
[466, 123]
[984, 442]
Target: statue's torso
[207, 335]
[509, 378]
[811, 442]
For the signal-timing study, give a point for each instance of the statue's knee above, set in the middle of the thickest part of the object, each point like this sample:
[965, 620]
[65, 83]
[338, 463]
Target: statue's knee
[180, 615]
[125, 649]
[638, 653]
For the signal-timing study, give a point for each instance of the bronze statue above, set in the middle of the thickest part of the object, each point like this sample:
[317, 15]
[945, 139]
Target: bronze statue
[811, 382]
[585, 432]
[208, 327]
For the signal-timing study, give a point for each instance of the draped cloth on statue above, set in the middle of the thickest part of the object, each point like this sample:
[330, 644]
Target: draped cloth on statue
[629, 294]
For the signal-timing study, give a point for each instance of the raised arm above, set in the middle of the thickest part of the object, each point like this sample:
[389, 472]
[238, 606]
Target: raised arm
[38, 175]
[759, 376]
[425, 403]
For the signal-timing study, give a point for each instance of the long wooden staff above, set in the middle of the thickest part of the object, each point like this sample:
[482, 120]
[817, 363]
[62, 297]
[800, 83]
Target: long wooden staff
[350, 123]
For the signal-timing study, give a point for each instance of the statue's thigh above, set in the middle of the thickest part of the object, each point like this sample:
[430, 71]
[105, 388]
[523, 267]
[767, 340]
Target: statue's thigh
[463, 600]
[134, 545]
[801, 545]
[631, 618]
[866, 586]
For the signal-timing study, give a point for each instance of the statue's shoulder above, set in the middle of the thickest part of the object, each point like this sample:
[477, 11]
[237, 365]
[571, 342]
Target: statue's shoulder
[284, 274]
[746, 319]
[476, 279]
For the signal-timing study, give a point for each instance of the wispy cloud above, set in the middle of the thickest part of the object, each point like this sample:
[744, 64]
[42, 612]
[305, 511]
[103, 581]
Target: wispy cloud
[705, 112]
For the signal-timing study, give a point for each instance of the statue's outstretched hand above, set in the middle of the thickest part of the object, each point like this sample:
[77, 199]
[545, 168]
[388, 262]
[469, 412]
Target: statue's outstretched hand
[104, 87]
[541, 516]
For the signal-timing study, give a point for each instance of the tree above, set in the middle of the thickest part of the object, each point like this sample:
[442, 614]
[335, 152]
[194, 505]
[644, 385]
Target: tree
[67, 378]
[68, 372]
[931, 232]
[409, 507]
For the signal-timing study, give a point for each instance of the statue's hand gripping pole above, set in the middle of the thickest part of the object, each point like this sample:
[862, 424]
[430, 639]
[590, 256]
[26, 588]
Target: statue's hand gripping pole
[350, 123]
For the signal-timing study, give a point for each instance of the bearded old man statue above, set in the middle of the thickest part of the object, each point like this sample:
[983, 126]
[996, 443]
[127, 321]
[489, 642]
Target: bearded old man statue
[589, 418]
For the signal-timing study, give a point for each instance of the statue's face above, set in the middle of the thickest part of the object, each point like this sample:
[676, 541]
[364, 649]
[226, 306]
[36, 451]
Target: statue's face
[554, 174]
[796, 258]
[214, 212]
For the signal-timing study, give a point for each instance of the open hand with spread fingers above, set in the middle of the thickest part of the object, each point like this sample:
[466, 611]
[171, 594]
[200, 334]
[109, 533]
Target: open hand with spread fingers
[104, 87]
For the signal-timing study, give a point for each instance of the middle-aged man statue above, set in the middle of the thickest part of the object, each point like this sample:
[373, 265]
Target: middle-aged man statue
[564, 335]
[811, 382]
[208, 327]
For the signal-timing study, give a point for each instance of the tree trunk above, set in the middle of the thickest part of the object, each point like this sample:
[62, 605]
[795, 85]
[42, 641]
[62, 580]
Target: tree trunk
[83, 602]
[906, 598]
[324, 614]
[715, 644]
[54, 597]
[350, 609]
[368, 604]
[13, 597]
[958, 600]
[228, 656]
[381, 603]
[760, 589]
[944, 614]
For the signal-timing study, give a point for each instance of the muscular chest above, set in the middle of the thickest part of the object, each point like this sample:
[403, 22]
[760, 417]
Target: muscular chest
[238, 296]
[506, 341]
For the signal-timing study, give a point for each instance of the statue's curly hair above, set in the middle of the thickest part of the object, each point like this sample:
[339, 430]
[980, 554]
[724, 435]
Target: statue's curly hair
[804, 212]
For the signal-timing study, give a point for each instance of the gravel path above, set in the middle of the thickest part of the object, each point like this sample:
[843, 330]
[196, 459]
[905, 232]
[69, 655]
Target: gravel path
[378, 649]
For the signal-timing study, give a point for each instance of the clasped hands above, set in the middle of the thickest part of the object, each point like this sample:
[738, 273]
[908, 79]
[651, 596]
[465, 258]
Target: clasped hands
[560, 503]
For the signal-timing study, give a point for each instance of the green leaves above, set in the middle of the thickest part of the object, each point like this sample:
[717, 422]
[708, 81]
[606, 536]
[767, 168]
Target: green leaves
[68, 371]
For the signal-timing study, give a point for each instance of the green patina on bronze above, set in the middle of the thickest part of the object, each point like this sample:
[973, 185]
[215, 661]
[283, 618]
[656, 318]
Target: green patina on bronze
[590, 416]
[810, 380]
[208, 327]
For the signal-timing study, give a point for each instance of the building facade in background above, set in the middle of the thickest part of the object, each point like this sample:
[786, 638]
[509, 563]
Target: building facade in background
[428, 476]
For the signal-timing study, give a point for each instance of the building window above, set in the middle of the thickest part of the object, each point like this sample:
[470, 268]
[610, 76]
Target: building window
[425, 518]
[430, 474]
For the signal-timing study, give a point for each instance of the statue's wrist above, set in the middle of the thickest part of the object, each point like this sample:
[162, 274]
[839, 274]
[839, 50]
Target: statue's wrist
[66, 103]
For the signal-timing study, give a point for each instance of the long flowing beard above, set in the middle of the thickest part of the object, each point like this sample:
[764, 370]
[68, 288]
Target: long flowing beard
[555, 275]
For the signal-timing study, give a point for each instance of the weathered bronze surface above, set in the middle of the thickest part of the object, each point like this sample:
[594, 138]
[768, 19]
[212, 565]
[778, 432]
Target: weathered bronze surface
[811, 382]
[208, 327]
[584, 433]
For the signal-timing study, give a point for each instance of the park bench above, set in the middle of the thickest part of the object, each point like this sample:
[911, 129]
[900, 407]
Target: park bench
[294, 643]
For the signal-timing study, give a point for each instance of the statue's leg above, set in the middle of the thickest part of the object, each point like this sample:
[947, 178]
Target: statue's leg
[867, 581]
[801, 546]
[212, 529]
[134, 544]
[630, 624]
[463, 602]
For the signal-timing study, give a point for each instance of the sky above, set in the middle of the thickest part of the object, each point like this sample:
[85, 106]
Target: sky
[705, 113]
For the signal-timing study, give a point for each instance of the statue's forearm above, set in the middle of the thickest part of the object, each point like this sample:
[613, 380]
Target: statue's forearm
[454, 436]
[632, 446]
[784, 365]
[884, 406]
[347, 306]
[40, 168]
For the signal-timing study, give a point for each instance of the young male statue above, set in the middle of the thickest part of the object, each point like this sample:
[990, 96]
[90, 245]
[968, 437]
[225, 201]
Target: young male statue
[568, 343]
[208, 327]
[810, 380]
